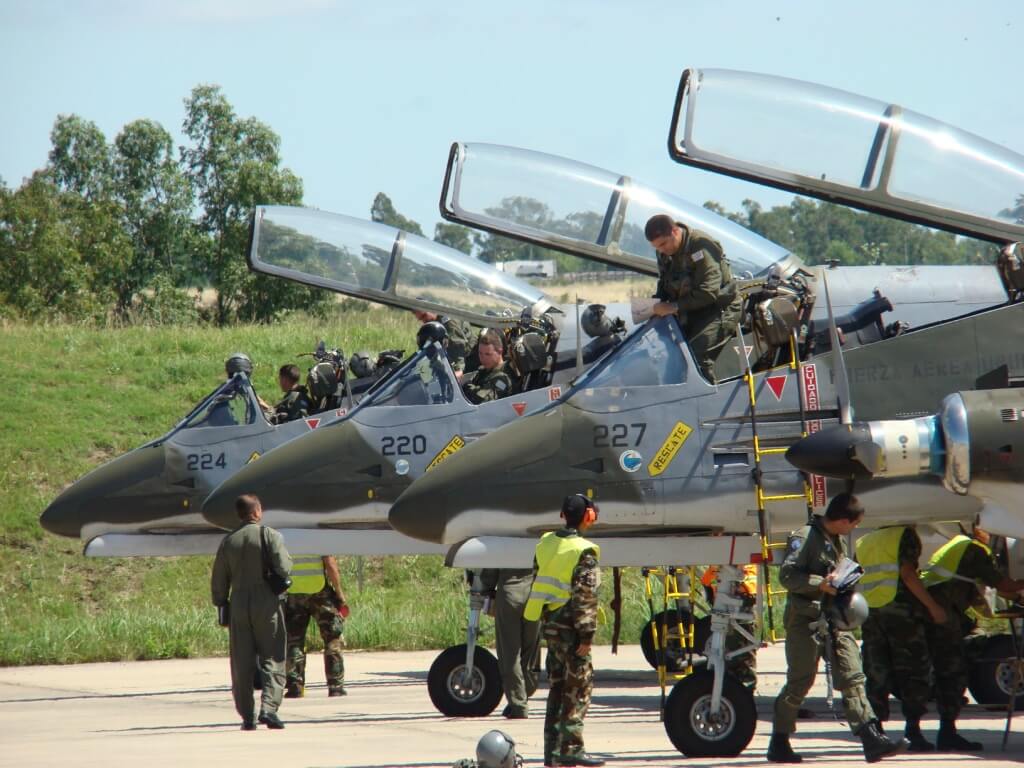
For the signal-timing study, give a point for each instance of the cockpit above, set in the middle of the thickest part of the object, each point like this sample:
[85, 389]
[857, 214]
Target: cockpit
[651, 356]
[427, 379]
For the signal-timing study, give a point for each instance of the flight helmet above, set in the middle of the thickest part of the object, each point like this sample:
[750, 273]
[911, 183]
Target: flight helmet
[239, 362]
[848, 610]
[497, 750]
[431, 332]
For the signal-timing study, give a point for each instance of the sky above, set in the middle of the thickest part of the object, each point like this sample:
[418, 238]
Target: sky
[369, 96]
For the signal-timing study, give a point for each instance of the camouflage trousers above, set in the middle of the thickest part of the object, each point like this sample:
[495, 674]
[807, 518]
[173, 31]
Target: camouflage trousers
[949, 659]
[895, 650]
[298, 611]
[572, 680]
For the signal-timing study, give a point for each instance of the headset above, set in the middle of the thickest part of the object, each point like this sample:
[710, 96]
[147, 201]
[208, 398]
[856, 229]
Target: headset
[590, 515]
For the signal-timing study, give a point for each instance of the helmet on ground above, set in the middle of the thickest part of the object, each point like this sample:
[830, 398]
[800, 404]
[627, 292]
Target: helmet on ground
[431, 332]
[361, 365]
[595, 322]
[238, 363]
[497, 750]
[848, 610]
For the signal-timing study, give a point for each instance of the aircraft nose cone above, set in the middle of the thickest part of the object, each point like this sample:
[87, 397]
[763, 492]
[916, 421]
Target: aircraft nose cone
[330, 469]
[116, 492]
[489, 487]
[832, 452]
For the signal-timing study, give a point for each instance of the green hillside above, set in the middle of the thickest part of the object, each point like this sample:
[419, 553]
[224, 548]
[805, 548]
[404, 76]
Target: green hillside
[73, 397]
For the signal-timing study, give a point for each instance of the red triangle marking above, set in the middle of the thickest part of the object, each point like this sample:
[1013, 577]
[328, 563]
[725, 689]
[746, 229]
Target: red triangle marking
[520, 408]
[313, 423]
[777, 384]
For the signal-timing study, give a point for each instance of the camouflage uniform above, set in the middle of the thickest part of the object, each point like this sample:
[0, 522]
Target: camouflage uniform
[895, 645]
[294, 405]
[459, 341]
[811, 555]
[487, 384]
[946, 641]
[256, 617]
[321, 606]
[516, 639]
[697, 278]
[571, 676]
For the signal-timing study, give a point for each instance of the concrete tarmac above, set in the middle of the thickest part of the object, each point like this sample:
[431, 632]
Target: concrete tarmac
[179, 712]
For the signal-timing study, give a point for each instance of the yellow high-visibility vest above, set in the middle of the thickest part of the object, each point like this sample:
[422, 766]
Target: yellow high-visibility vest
[879, 555]
[557, 557]
[307, 575]
[944, 563]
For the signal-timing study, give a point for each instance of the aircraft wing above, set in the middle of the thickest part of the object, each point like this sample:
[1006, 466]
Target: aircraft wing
[841, 147]
[583, 210]
[385, 265]
[312, 541]
[517, 552]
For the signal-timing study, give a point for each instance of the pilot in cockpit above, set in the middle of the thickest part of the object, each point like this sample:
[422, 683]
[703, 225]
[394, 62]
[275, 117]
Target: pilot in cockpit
[490, 381]
[696, 284]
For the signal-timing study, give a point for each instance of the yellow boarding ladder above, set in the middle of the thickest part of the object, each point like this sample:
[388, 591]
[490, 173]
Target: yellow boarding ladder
[763, 499]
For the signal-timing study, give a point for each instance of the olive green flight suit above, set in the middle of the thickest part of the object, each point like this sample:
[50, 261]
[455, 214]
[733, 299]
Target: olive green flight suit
[486, 384]
[697, 278]
[257, 627]
[294, 405]
[459, 341]
[517, 640]
[810, 556]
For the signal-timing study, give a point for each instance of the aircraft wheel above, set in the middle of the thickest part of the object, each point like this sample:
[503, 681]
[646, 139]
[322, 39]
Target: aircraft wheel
[696, 731]
[674, 656]
[991, 675]
[455, 695]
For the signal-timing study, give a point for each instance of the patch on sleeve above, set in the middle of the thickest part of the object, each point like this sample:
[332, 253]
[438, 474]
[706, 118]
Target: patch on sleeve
[795, 543]
[501, 385]
[698, 256]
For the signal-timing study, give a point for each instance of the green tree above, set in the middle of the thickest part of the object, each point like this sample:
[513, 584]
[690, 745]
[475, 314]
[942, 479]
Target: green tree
[56, 250]
[383, 211]
[80, 160]
[454, 236]
[233, 165]
[155, 202]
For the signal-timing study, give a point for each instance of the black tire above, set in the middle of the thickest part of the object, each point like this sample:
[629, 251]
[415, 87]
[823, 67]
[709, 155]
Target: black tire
[446, 688]
[687, 723]
[674, 656]
[990, 677]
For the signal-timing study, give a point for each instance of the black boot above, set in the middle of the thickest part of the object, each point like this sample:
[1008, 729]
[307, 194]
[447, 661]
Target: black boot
[779, 750]
[918, 743]
[876, 744]
[951, 741]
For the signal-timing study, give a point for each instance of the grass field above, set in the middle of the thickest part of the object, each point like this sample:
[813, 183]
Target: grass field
[73, 397]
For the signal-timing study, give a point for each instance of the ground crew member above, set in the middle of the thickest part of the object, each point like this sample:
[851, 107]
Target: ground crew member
[517, 640]
[315, 594]
[695, 283]
[806, 573]
[256, 623]
[564, 597]
[489, 381]
[895, 641]
[295, 403]
[743, 668]
[952, 579]
[458, 338]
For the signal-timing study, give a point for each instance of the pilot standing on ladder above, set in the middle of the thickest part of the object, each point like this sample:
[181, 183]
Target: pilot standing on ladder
[564, 595]
[806, 573]
[696, 284]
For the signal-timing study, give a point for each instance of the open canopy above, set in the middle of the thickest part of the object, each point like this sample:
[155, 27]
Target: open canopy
[382, 264]
[583, 210]
[846, 148]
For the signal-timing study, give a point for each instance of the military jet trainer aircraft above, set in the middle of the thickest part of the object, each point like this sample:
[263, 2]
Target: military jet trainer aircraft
[147, 501]
[670, 456]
